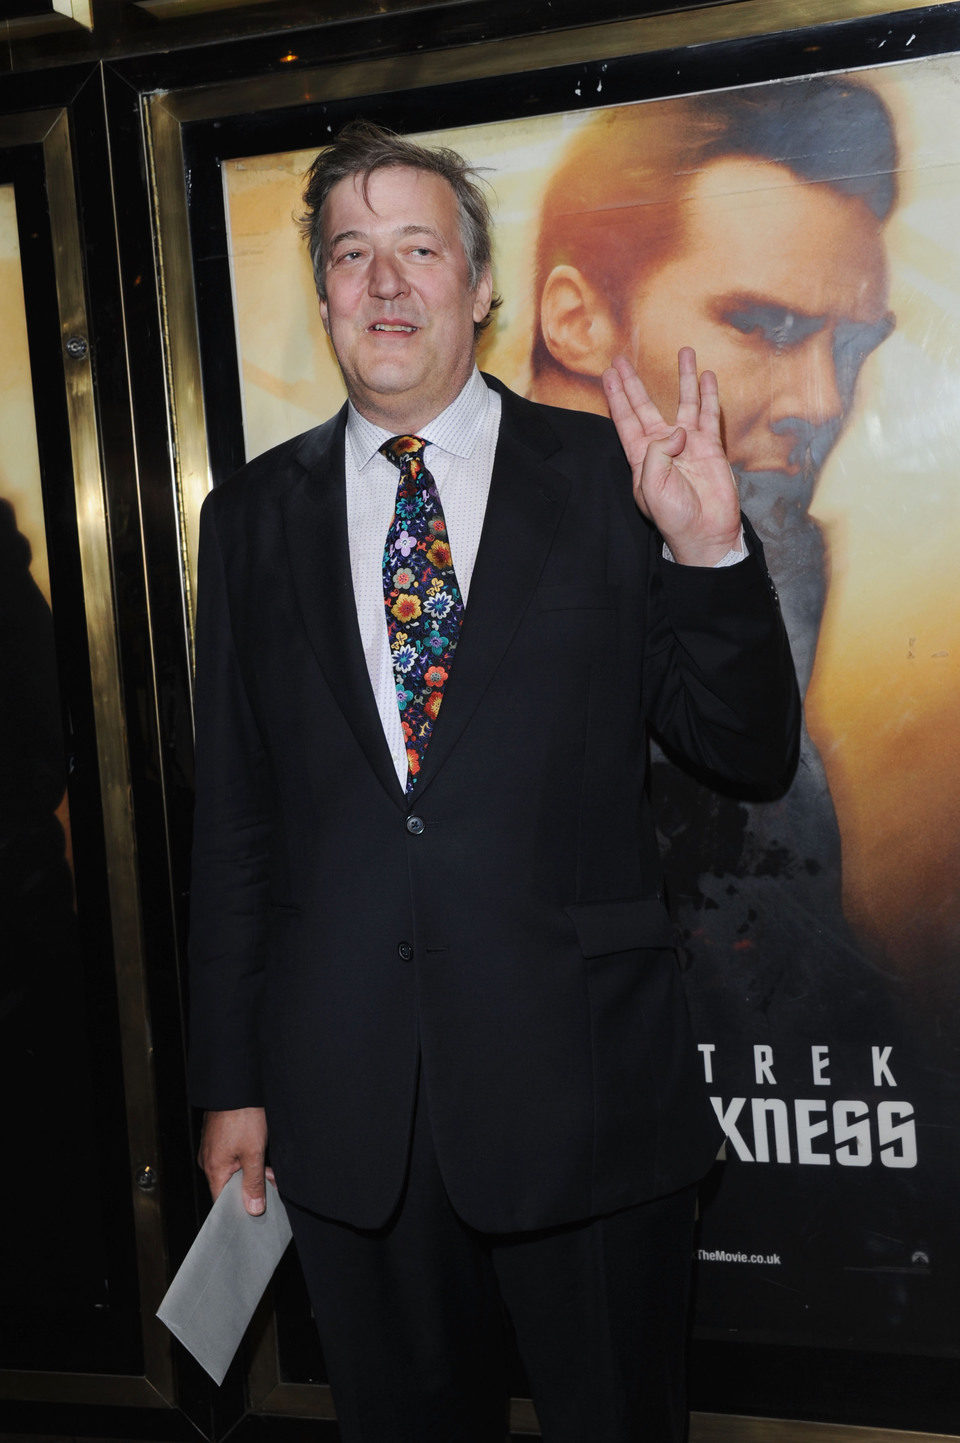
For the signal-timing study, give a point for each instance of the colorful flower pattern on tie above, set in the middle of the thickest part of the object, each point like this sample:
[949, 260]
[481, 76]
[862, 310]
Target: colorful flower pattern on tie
[423, 602]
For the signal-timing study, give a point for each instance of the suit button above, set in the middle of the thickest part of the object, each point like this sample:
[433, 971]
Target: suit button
[415, 826]
[404, 951]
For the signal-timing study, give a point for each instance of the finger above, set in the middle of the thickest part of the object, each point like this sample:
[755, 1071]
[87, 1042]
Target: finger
[710, 406]
[218, 1174]
[688, 408]
[629, 428]
[638, 395]
[216, 1166]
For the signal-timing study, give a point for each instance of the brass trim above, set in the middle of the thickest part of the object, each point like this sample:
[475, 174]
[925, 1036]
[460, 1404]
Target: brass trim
[165, 112]
[265, 1390]
[178, 319]
[327, 13]
[737, 20]
[180, 9]
[115, 786]
[35, 27]
[269, 1395]
[523, 1417]
[115, 1390]
[299, 1400]
[726, 1428]
[263, 1373]
[27, 128]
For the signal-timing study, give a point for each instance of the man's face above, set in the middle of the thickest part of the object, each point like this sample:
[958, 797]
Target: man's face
[781, 288]
[400, 310]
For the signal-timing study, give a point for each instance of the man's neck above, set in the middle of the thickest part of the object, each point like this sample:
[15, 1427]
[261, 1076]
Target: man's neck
[406, 420]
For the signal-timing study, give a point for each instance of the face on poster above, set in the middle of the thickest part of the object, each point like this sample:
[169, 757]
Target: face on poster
[801, 235]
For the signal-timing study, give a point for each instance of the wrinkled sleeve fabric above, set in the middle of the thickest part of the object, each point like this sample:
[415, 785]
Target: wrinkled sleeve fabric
[719, 682]
[230, 856]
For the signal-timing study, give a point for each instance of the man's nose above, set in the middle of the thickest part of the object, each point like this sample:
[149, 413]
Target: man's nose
[812, 443]
[386, 278]
[808, 402]
[807, 385]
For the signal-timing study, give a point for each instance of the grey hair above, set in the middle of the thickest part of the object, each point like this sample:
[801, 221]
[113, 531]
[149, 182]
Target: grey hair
[360, 149]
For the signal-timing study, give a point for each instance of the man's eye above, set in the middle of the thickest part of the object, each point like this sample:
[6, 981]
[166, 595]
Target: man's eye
[776, 325]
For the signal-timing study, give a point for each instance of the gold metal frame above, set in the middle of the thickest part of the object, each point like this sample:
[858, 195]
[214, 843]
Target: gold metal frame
[269, 1395]
[719, 1428]
[179, 322]
[164, 115]
[155, 1388]
[165, 112]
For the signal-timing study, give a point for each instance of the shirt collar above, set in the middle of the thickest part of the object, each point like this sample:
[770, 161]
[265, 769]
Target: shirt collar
[457, 429]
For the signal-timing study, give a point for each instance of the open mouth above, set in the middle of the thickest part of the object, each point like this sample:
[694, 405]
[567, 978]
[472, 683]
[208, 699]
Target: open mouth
[394, 328]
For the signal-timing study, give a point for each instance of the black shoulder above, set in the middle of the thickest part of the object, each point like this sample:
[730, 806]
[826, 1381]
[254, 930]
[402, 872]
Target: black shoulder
[555, 427]
[272, 472]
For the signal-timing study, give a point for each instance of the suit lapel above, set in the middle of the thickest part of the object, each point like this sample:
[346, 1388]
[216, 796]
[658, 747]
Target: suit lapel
[526, 499]
[315, 527]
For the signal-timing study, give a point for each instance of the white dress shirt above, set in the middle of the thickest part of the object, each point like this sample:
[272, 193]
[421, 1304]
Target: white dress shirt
[461, 444]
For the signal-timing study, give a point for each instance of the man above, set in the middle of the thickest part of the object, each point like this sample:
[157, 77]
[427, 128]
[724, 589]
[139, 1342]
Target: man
[427, 944]
[749, 224]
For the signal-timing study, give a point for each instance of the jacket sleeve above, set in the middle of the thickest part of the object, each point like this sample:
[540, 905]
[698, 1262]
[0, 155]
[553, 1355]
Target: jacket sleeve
[719, 681]
[230, 854]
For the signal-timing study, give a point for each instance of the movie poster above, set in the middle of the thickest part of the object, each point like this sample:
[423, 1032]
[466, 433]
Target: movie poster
[51, 1260]
[803, 236]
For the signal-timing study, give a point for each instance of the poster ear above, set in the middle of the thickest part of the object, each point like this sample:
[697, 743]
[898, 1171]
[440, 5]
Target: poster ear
[575, 321]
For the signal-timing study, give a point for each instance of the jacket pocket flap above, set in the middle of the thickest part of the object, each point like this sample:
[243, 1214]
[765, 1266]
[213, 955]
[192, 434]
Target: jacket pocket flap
[621, 926]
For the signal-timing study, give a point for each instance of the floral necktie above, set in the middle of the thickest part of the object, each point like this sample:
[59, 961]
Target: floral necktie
[423, 602]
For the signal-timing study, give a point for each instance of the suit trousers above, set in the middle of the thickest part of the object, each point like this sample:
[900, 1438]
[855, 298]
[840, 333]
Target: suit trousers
[412, 1318]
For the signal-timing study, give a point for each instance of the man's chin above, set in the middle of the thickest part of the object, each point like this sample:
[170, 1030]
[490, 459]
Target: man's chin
[763, 490]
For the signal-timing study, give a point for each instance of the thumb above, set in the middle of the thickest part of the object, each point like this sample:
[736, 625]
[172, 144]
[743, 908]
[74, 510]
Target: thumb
[254, 1187]
[658, 461]
[670, 446]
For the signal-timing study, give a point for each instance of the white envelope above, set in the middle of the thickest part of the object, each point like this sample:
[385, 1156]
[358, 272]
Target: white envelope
[223, 1277]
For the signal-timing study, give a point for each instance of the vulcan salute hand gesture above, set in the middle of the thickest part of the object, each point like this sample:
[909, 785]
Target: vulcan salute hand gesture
[682, 480]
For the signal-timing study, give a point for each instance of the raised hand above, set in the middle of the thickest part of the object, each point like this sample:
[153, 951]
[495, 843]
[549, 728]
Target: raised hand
[681, 478]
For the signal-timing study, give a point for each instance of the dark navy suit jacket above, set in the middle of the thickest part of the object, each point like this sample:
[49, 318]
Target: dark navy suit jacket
[503, 928]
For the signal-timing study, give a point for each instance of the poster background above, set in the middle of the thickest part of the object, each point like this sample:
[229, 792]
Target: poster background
[868, 1256]
[51, 1259]
[19, 460]
[20, 484]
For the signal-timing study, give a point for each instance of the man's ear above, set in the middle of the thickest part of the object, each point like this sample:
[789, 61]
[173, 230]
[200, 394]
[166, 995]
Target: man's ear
[483, 295]
[325, 316]
[575, 321]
